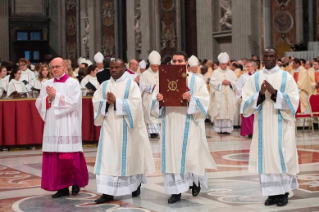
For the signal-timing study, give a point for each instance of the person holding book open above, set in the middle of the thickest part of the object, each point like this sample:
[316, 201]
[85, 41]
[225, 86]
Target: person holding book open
[90, 82]
[15, 85]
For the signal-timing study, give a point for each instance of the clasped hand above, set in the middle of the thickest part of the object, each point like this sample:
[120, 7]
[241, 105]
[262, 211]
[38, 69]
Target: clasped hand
[51, 92]
[110, 98]
[226, 82]
[266, 86]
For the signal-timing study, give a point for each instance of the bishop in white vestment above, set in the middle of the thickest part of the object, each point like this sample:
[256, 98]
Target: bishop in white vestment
[223, 101]
[124, 152]
[148, 81]
[60, 106]
[185, 153]
[272, 95]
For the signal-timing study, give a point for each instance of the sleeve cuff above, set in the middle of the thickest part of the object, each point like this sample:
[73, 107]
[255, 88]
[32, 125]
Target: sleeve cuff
[281, 103]
[120, 108]
[104, 108]
[192, 107]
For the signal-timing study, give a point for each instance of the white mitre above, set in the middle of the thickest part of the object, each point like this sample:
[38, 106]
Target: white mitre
[82, 60]
[98, 57]
[223, 57]
[142, 64]
[89, 62]
[193, 61]
[79, 60]
[154, 58]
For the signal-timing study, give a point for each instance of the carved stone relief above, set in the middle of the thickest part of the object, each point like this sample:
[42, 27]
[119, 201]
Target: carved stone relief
[168, 35]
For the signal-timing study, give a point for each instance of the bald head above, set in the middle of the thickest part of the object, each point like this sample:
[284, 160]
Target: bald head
[133, 65]
[57, 66]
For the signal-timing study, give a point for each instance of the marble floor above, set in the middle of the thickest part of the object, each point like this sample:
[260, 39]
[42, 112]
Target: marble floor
[231, 187]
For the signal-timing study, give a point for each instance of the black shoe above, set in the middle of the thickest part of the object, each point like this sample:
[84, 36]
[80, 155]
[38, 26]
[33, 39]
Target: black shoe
[250, 136]
[61, 193]
[154, 135]
[75, 189]
[137, 192]
[174, 198]
[282, 200]
[104, 198]
[195, 189]
[272, 200]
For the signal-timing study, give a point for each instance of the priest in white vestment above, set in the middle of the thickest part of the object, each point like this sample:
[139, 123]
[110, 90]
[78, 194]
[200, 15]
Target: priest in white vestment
[272, 95]
[148, 81]
[185, 153]
[60, 106]
[224, 103]
[27, 76]
[124, 152]
[98, 59]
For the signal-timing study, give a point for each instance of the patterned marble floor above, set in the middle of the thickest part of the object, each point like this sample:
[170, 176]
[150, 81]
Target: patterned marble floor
[231, 187]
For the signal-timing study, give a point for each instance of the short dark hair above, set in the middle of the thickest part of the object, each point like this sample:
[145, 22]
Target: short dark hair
[303, 60]
[235, 65]
[90, 69]
[181, 53]
[297, 60]
[271, 48]
[106, 62]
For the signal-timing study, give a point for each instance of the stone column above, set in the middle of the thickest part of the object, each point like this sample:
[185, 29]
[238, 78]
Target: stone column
[299, 21]
[97, 27]
[130, 13]
[311, 27]
[145, 27]
[241, 29]
[267, 23]
[4, 25]
[205, 29]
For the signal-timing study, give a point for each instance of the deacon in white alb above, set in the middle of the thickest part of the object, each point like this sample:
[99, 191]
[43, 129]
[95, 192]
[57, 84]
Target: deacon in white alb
[148, 81]
[98, 58]
[185, 153]
[224, 103]
[124, 152]
[272, 95]
[60, 106]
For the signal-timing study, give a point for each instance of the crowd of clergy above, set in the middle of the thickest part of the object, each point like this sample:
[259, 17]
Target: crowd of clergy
[127, 106]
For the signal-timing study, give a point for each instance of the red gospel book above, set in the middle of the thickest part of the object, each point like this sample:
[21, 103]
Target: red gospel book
[172, 85]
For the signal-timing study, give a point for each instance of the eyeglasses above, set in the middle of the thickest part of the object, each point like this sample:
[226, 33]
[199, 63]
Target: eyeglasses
[180, 61]
[55, 67]
[23, 65]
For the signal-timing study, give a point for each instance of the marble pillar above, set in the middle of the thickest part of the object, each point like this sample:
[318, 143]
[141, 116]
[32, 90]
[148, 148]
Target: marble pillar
[205, 30]
[311, 27]
[241, 29]
[267, 23]
[4, 25]
[299, 21]
[130, 14]
[146, 28]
